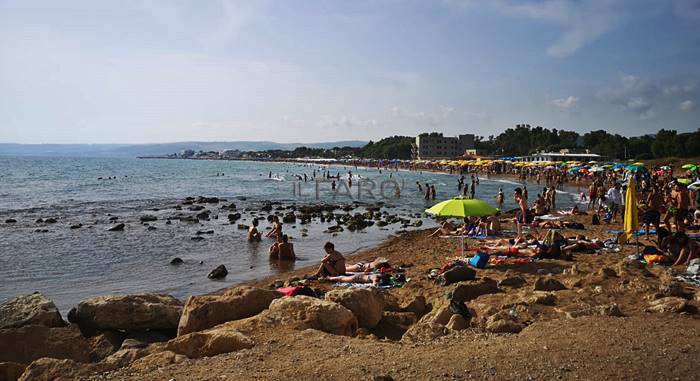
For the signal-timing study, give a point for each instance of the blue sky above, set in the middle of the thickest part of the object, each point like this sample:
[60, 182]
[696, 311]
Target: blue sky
[307, 71]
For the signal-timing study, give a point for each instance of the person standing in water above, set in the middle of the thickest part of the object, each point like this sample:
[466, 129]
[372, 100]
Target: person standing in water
[427, 191]
[420, 187]
[432, 192]
[500, 197]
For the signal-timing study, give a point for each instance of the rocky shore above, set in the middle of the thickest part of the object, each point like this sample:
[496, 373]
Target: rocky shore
[596, 316]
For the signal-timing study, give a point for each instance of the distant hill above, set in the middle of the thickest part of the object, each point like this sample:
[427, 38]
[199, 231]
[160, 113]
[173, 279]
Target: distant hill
[134, 150]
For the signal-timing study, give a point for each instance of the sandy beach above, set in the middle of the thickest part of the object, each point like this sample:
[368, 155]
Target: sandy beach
[596, 316]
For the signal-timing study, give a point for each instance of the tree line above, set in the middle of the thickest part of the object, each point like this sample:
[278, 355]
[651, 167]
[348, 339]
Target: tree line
[524, 140]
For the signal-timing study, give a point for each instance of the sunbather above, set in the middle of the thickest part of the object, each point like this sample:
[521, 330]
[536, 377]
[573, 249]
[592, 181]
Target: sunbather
[375, 279]
[333, 263]
[446, 229]
[362, 267]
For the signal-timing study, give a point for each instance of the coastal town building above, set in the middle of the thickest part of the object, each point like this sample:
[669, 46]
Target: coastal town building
[431, 146]
[563, 155]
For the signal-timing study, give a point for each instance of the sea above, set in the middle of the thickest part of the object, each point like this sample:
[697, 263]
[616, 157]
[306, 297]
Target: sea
[77, 257]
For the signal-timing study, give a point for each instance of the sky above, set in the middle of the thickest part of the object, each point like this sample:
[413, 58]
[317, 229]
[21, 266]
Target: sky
[138, 71]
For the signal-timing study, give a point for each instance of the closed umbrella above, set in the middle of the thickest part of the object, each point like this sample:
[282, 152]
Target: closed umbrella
[631, 215]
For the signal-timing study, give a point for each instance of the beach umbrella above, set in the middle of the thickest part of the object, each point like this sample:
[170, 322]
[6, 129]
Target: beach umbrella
[684, 181]
[461, 207]
[639, 163]
[691, 167]
[665, 167]
[631, 215]
[694, 186]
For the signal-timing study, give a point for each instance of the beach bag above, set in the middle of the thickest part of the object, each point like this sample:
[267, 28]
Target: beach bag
[459, 308]
[480, 260]
[297, 290]
[595, 220]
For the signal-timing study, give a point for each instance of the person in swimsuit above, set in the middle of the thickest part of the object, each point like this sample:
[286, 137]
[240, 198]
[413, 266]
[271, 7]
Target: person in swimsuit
[362, 267]
[333, 263]
[282, 249]
[253, 233]
[276, 230]
[375, 279]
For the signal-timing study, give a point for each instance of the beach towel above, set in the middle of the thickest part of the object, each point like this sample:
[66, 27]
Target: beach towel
[548, 217]
[495, 259]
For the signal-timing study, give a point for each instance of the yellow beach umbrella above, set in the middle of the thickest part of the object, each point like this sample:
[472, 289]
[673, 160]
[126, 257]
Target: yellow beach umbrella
[631, 215]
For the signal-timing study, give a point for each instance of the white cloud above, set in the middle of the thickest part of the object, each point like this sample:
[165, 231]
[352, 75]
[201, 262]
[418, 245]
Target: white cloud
[678, 89]
[642, 97]
[687, 105]
[567, 103]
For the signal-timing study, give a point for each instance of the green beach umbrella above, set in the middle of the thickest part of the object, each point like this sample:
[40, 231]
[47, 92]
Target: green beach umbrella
[461, 207]
[692, 167]
[684, 181]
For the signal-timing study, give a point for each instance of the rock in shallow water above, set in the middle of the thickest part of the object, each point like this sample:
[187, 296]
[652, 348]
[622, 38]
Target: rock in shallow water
[218, 273]
[116, 228]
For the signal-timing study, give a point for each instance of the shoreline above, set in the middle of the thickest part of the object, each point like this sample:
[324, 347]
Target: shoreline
[589, 305]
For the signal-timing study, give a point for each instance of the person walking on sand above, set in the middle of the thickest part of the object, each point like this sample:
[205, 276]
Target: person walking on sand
[614, 197]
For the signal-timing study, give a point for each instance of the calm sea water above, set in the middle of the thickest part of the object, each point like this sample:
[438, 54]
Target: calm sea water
[69, 265]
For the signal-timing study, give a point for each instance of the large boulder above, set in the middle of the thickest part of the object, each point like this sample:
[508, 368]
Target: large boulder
[365, 304]
[417, 305]
[209, 343]
[202, 312]
[136, 312]
[548, 284]
[304, 312]
[26, 344]
[50, 369]
[470, 290]
[30, 309]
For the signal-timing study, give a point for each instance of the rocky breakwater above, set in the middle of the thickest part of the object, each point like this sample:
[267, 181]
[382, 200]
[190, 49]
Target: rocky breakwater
[39, 343]
[139, 330]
